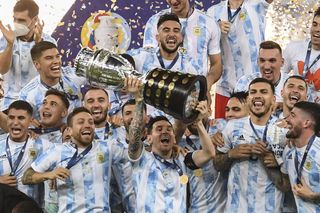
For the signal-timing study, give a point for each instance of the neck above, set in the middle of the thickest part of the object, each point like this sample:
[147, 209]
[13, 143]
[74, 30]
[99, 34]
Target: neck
[303, 139]
[57, 125]
[80, 144]
[50, 82]
[168, 56]
[102, 124]
[316, 47]
[276, 79]
[234, 4]
[164, 155]
[261, 120]
[286, 111]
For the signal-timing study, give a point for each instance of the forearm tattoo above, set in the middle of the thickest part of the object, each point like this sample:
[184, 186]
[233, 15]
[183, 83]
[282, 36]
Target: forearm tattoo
[281, 181]
[27, 176]
[222, 162]
[135, 130]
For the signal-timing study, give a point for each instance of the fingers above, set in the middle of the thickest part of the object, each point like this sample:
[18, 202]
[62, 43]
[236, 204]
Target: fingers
[225, 26]
[62, 173]
[217, 139]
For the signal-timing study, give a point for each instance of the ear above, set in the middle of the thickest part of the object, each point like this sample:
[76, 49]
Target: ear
[37, 65]
[149, 139]
[307, 123]
[64, 113]
[282, 61]
[158, 38]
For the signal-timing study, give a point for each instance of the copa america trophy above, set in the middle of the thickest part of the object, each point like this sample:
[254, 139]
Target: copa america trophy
[172, 92]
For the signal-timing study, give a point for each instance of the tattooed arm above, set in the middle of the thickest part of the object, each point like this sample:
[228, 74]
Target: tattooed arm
[222, 162]
[279, 179]
[137, 125]
[32, 177]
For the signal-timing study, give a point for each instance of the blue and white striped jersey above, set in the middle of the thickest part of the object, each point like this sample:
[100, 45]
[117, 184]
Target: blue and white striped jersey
[310, 173]
[34, 91]
[157, 187]
[32, 150]
[201, 36]
[249, 187]
[208, 190]
[22, 70]
[88, 187]
[240, 46]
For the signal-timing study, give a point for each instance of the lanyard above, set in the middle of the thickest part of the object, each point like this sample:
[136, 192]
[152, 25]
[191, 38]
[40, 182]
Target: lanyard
[106, 132]
[231, 17]
[17, 162]
[296, 161]
[171, 64]
[173, 165]
[75, 159]
[307, 60]
[70, 96]
[40, 131]
[264, 138]
[184, 29]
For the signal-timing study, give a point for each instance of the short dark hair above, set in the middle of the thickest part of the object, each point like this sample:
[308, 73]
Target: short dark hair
[241, 96]
[131, 101]
[40, 47]
[270, 45]
[262, 80]
[296, 77]
[84, 89]
[23, 105]
[74, 113]
[312, 109]
[317, 12]
[153, 120]
[168, 17]
[63, 97]
[29, 5]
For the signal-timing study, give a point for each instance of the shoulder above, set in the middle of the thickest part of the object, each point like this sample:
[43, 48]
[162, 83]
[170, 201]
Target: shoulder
[154, 18]
[32, 85]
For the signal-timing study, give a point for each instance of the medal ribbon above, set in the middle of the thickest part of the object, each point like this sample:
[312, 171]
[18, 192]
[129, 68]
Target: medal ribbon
[296, 161]
[106, 132]
[75, 159]
[264, 138]
[307, 60]
[17, 162]
[173, 165]
[40, 131]
[231, 17]
[70, 96]
[171, 64]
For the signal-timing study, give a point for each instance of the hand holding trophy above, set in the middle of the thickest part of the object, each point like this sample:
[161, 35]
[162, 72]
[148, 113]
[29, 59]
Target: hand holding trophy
[172, 92]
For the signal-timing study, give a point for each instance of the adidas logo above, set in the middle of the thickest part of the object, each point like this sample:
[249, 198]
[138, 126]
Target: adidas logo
[241, 138]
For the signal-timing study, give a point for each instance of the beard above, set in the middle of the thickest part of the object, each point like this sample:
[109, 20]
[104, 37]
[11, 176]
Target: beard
[164, 47]
[295, 132]
[101, 120]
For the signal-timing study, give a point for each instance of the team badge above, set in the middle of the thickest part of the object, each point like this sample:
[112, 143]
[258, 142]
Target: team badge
[197, 31]
[32, 152]
[308, 165]
[242, 16]
[100, 157]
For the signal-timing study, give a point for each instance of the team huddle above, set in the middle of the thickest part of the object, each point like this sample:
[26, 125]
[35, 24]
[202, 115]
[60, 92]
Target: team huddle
[67, 146]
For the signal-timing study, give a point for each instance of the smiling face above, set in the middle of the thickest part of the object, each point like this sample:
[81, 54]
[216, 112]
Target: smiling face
[270, 62]
[179, 7]
[82, 129]
[294, 90]
[18, 122]
[162, 138]
[235, 109]
[97, 102]
[52, 111]
[260, 99]
[295, 122]
[49, 66]
[169, 36]
[315, 33]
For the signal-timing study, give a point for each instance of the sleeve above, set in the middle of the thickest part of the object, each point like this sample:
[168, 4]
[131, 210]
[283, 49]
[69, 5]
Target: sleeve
[150, 32]
[214, 42]
[227, 142]
[242, 84]
[46, 161]
[3, 44]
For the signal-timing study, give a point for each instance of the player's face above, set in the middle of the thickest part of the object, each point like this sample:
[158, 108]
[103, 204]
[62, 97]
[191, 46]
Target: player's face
[82, 129]
[162, 137]
[295, 123]
[18, 122]
[315, 32]
[178, 6]
[52, 111]
[49, 64]
[97, 102]
[270, 62]
[294, 91]
[260, 99]
[169, 36]
[235, 109]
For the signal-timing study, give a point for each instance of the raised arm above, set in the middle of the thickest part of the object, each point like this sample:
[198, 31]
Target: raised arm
[137, 124]
[6, 55]
[208, 150]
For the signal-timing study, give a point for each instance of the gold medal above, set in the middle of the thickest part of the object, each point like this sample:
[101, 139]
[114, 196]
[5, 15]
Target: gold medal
[184, 179]
[197, 172]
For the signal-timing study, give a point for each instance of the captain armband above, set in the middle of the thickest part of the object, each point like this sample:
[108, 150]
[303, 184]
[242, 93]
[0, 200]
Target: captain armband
[189, 162]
